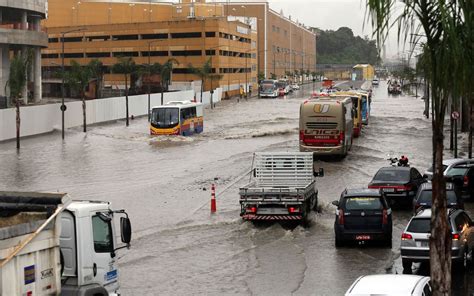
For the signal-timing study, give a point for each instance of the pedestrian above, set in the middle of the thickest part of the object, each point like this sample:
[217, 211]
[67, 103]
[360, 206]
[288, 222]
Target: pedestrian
[241, 92]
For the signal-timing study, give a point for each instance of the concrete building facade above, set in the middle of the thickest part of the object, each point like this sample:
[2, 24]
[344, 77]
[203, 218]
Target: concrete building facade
[155, 32]
[285, 45]
[20, 31]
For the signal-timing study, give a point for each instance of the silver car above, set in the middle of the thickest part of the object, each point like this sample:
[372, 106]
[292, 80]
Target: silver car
[415, 239]
[391, 284]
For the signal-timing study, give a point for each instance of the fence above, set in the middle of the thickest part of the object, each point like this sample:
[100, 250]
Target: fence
[41, 119]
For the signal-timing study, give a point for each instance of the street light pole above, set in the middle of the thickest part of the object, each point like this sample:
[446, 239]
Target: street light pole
[63, 107]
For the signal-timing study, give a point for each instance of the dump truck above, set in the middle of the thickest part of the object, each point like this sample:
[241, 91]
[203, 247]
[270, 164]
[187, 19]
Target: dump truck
[52, 245]
[282, 188]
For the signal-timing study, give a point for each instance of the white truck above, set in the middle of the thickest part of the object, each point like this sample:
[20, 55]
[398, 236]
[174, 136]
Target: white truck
[282, 188]
[51, 245]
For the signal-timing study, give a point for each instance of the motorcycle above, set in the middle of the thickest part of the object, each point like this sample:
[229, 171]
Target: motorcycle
[395, 162]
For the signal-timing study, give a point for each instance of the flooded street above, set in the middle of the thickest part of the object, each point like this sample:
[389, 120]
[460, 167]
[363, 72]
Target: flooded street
[178, 248]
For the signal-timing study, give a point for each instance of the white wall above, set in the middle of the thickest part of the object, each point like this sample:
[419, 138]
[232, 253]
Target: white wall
[45, 118]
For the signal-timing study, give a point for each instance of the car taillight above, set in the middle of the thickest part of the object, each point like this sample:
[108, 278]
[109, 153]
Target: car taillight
[252, 209]
[406, 236]
[293, 210]
[341, 138]
[385, 217]
[341, 217]
[456, 236]
[466, 181]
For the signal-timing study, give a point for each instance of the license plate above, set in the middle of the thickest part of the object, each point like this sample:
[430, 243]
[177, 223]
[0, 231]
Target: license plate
[389, 190]
[422, 244]
[362, 237]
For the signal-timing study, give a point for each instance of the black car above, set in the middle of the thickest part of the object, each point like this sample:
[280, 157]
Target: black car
[424, 196]
[363, 215]
[399, 184]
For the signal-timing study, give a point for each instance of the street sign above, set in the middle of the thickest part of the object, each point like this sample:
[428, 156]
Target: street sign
[455, 115]
[63, 108]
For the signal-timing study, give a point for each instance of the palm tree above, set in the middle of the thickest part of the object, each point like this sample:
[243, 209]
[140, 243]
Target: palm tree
[17, 82]
[165, 71]
[443, 25]
[78, 79]
[127, 67]
[203, 72]
[97, 69]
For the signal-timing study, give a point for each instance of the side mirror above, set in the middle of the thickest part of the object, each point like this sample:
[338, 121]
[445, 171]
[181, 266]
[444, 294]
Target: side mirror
[126, 230]
[319, 173]
[336, 203]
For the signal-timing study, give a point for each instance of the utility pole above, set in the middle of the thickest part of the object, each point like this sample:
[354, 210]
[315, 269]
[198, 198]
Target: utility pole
[63, 107]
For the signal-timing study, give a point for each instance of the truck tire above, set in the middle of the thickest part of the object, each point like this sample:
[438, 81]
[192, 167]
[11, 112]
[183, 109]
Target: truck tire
[315, 208]
[406, 265]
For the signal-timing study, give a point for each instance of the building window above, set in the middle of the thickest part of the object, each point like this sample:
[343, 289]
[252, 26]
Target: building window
[73, 39]
[162, 53]
[210, 52]
[210, 34]
[50, 56]
[182, 71]
[73, 55]
[155, 36]
[124, 37]
[186, 35]
[186, 53]
[97, 54]
[53, 40]
[125, 54]
[97, 38]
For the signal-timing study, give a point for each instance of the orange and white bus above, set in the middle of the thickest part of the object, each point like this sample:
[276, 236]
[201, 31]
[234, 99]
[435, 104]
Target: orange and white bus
[326, 125]
[183, 118]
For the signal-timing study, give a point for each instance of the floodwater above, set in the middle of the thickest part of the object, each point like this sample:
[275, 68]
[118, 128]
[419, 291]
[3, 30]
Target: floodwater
[164, 184]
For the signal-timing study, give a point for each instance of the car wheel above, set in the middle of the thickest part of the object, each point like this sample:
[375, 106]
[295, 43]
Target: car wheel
[338, 242]
[406, 265]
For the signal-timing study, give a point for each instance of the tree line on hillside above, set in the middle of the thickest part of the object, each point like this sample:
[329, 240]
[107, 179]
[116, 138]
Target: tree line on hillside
[342, 47]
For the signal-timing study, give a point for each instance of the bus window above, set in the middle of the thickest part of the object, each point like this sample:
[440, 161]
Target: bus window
[165, 117]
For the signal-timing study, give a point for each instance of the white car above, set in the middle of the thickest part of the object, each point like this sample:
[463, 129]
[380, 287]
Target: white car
[376, 81]
[295, 86]
[391, 284]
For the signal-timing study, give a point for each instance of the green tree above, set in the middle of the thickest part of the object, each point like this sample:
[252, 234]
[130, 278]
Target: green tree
[16, 83]
[127, 67]
[78, 79]
[342, 47]
[261, 76]
[204, 72]
[97, 69]
[443, 25]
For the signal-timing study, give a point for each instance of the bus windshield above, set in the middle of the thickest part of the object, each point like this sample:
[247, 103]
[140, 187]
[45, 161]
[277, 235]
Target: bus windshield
[267, 87]
[165, 117]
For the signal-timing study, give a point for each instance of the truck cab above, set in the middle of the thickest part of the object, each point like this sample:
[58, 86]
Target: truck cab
[88, 246]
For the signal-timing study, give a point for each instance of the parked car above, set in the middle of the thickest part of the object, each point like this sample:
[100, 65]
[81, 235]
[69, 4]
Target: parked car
[415, 246]
[391, 284]
[362, 215]
[424, 196]
[295, 86]
[399, 184]
[459, 171]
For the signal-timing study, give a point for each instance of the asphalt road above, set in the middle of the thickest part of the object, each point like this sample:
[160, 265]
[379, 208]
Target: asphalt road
[178, 247]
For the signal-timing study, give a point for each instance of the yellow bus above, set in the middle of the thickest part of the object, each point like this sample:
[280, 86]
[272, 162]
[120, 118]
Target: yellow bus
[357, 106]
[183, 118]
[326, 125]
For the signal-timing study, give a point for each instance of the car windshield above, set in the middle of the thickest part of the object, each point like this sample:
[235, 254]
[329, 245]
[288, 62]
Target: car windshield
[419, 226]
[457, 171]
[267, 87]
[363, 203]
[392, 175]
[165, 117]
[426, 195]
[430, 170]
